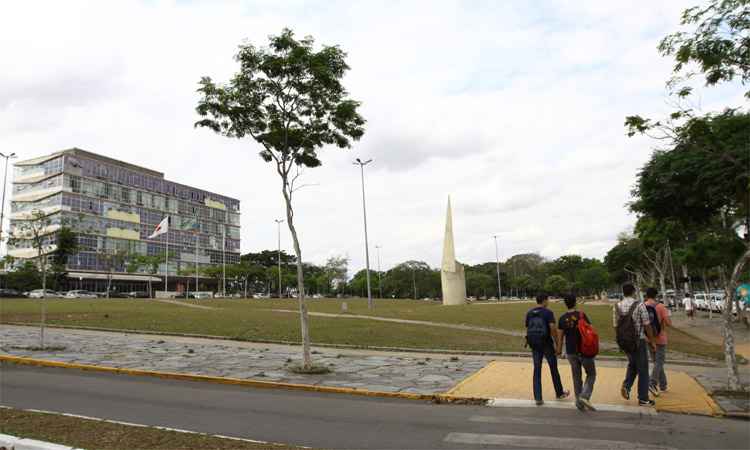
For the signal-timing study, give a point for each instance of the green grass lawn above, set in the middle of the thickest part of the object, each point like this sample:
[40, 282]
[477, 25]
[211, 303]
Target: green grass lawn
[88, 433]
[254, 320]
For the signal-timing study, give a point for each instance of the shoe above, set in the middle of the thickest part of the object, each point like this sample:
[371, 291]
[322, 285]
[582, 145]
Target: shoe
[585, 402]
[664, 389]
[581, 407]
[539, 402]
[653, 391]
[650, 403]
[565, 394]
[625, 393]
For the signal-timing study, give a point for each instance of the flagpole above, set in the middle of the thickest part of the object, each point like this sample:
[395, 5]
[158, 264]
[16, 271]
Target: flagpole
[195, 232]
[224, 262]
[166, 262]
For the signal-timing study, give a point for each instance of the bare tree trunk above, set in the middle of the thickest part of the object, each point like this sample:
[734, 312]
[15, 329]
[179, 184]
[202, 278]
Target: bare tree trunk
[686, 276]
[44, 302]
[708, 297]
[730, 357]
[304, 322]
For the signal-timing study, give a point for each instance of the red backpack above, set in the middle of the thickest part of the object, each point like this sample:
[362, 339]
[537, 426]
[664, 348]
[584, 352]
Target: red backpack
[588, 344]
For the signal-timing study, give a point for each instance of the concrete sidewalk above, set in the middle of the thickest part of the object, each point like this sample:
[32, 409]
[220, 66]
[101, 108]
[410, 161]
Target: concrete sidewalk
[370, 370]
[513, 380]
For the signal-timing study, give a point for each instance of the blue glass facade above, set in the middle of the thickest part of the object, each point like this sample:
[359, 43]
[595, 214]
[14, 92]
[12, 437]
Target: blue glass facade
[112, 205]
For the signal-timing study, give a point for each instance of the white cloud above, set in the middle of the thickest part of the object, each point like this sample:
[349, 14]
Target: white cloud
[515, 110]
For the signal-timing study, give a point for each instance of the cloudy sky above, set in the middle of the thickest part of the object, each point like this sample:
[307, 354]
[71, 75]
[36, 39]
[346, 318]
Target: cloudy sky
[514, 108]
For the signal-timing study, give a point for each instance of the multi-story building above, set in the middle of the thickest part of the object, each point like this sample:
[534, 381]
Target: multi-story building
[113, 207]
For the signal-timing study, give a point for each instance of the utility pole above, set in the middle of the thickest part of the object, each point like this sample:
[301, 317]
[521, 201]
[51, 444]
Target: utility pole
[5, 182]
[414, 281]
[380, 281]
[497, 266]
[362, 165]
[278, 227]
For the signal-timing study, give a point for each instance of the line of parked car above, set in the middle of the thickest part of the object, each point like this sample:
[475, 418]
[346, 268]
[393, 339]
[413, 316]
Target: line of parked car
[77, 293]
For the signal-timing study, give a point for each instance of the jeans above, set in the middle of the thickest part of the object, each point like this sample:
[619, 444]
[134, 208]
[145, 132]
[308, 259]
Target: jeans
[658, 377]
[576, 363]
[549, 354]
[638, 366]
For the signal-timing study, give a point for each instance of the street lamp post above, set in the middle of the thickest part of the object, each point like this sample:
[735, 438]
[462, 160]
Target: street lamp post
[380, 281]
[362, 165]
[414, 281]
[497, 265]
[278, 228]
[5, 181]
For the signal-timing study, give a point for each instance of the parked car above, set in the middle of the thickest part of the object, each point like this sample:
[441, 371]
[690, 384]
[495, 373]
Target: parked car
[701, 301]
[137, 294]
[112, 294]
[201, 295]
[10, 293]
[48, 293]
[80, 294]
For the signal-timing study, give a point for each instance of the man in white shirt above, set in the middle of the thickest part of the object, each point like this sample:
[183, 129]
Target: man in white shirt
[689, 305]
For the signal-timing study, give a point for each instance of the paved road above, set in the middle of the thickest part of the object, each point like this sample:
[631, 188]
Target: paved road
[341, 421]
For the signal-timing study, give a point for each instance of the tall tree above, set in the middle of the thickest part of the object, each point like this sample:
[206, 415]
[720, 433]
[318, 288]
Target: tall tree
[702, 177]
[37, 231]
[289, 99]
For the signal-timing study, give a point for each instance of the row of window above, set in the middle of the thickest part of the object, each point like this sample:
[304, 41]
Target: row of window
[46, 168]
[122, 175]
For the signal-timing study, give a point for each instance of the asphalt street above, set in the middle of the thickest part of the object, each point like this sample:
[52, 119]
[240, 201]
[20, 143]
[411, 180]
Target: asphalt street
[344, 421]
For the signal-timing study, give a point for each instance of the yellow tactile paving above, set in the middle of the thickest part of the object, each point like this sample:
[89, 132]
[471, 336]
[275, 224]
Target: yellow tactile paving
[743, 349]
[512, 380]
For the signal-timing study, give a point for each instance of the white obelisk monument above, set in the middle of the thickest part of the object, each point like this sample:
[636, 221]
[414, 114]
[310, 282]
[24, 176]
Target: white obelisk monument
[452, 272]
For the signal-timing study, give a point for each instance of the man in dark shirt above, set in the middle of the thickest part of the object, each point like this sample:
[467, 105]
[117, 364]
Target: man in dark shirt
[546, 350]
[568, 327]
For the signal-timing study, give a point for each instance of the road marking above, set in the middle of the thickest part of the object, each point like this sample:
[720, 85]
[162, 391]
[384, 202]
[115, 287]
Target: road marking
[519, 403]
[140, 425]
[563, 423]
[510, 440]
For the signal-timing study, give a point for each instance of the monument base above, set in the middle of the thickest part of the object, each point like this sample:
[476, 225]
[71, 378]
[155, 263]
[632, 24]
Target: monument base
[454, 286]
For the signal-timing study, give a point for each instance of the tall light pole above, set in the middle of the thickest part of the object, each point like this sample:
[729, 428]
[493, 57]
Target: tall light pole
[497, 264]
[414, 280]
[5, 182]
[362, 165]
[380, 281]
[278, 228]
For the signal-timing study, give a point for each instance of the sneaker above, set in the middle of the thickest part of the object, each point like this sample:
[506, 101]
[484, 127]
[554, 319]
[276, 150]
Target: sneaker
[625, 393]
[653, 391]
[581, 407]
[539, 402]
[650, 403]
[585, 402]
[565, 394]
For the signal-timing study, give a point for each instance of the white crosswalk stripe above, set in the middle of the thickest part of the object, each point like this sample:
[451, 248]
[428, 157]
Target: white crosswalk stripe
[565, 423]
[518, 403]
[557, 443]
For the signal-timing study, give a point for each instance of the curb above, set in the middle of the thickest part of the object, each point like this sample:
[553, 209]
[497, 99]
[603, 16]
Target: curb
[436, 398]
[696, 363]
[11, 442]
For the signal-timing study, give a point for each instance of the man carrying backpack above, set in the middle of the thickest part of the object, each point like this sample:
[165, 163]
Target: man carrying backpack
[580, 348]
[540, 333]
[658, 314]
[634, 335]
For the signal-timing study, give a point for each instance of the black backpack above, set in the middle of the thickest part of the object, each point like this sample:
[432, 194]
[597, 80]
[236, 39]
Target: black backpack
[653, 317]
[627, 337]
[537, 330]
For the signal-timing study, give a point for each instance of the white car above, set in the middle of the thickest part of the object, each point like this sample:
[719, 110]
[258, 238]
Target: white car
[48, 293]
[201, 295]
[701, 301]
[80, 294]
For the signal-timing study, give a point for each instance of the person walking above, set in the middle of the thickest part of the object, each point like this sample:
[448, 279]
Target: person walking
[568, 327]
[540, 334]
[659, 316]
[634, 335]
[689, 305]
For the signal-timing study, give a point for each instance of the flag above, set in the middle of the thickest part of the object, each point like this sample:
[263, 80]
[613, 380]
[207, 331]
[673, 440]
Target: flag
[160, 229]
